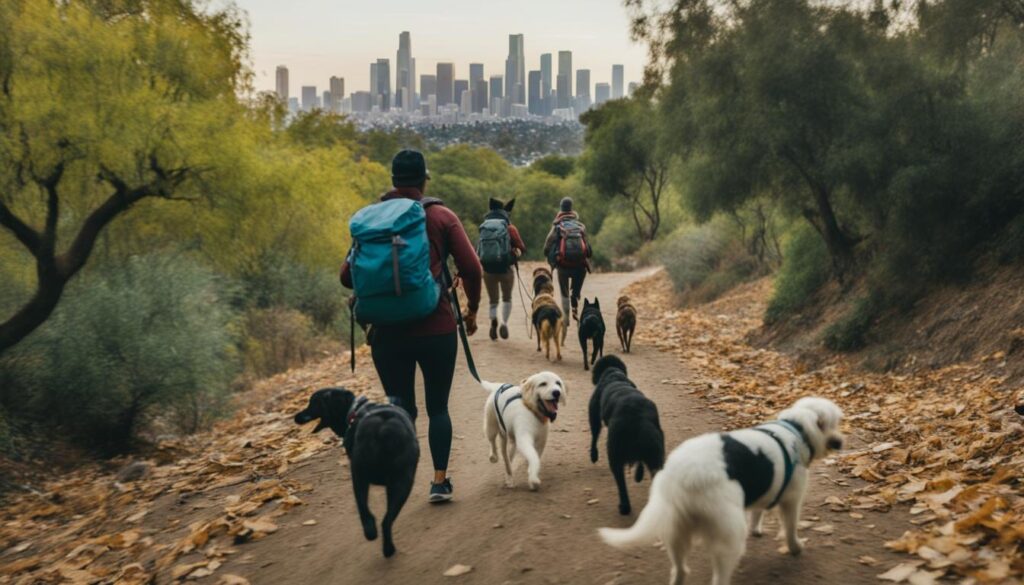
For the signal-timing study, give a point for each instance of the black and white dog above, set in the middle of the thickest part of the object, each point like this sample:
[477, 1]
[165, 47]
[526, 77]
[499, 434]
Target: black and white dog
[381, 444]
[591, 327]
[710, 481]
[634, 432]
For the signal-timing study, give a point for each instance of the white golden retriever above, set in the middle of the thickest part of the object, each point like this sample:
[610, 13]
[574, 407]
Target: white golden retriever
[520, 416]
[710, 481]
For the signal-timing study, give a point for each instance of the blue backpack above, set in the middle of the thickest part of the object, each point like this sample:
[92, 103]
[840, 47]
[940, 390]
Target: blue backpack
[390, 262]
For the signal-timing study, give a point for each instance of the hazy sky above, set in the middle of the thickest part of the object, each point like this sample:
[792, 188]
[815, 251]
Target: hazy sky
[316, 39]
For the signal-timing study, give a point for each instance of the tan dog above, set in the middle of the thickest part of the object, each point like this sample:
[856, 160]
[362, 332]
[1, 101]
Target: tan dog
[625, 322]
[547, 322]
[543, 281]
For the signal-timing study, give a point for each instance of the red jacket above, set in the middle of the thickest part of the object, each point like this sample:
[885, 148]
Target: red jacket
[445, 232]
[517, 240]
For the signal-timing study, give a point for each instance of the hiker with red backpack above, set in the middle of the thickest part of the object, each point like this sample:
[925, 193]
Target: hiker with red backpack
[568, 251]
[499, 248]
[398, 270]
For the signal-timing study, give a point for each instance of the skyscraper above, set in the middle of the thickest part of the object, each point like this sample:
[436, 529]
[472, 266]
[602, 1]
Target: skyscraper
[428, 86]
[383, 89]
[461, 85]
[308, 98]
[405, 72]
[536, 103]
[337, 94]
[373, 81]
[480, 101]
[582, 90]
[515, 70]
[282, 83]
[618, 77]
[445, 84]
[476, 73]
[564, 88]
[496, 87]
[602, 93]
[325, 103]
[546, 88]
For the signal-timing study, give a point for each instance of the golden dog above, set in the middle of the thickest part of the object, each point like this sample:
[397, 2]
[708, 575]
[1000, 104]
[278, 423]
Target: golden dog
[547, 322]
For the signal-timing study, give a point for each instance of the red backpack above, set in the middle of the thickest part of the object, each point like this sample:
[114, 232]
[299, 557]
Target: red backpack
[572, 246]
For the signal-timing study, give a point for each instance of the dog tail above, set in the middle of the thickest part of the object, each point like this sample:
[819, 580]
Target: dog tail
[646, 529]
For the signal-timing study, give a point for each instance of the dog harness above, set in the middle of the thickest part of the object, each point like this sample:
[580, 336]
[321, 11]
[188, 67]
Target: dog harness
[789, 466]
[500, 408]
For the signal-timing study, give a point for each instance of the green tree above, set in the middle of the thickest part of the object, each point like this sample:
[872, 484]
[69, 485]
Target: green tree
[624, 158]
[104, 105]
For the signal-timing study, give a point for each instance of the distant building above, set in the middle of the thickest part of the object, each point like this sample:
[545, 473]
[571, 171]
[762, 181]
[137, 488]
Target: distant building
[515, 70]
[564, 87]
[496, 88]
[293, 105]
[497, 106]
[480, 101]
[325, 103]
[405, 73]
[546, 87]
[282, 83]
[445, 84]
[519, 111]
[476, 73]
[535, 104]
[309, 102]
[382, 91]
[466, 101]
[428, 86]
[602, 93]
[461, 85]
[337, 93]
[362, 102]
[618, 77]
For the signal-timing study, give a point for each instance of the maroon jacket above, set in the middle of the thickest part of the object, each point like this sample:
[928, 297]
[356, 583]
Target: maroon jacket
[445, 233]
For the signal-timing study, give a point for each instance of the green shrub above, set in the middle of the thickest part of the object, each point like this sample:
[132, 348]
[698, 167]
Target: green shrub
[850, 332]
[805, 268]
[150, 338]
[555, 164]
[706, 261]
[277, 339]
[616, 240]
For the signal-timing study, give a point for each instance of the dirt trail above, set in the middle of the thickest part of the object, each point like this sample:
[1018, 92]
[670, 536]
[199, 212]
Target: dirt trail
[517, 536]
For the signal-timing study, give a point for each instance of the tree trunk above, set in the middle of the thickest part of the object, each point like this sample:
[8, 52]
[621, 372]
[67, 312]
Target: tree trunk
[839, 244]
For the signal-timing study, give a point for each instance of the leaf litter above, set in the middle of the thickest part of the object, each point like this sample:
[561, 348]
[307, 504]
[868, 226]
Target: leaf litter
[945, 443]
[231, 483]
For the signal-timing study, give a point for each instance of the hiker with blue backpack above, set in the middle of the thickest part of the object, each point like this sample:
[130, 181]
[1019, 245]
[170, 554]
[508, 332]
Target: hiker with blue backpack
[499, 249]
[568, 252]
[398, 270]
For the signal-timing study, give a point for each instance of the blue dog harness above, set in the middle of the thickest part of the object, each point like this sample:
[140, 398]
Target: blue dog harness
[789, 466]
[499, 408]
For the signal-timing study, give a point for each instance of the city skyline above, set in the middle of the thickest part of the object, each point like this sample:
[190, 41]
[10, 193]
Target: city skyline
[342, 38]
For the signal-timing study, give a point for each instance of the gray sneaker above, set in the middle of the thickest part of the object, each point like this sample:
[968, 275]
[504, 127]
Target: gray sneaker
[441, 492]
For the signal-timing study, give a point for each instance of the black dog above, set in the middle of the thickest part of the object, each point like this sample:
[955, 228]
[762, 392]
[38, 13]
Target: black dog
[591, 327]
[634, 433]
[381, 444]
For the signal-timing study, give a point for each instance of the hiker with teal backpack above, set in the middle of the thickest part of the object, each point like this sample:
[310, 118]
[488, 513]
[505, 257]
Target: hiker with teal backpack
[568, 252]
[398, 270]
[499, 249]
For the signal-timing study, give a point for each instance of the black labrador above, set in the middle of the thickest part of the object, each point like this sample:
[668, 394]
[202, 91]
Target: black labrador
[381, 444]
[591, 327]
[634, 432]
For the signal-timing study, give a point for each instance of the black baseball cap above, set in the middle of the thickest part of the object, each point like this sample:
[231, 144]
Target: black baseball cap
[409, 168]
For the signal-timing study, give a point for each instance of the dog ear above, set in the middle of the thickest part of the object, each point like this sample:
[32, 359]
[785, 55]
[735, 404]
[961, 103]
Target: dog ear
[565, 391]
[510, 205]
[526, 386]
[597, 302]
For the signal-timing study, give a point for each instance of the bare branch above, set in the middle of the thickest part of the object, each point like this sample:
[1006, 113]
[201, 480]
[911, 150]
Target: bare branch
[25, 234]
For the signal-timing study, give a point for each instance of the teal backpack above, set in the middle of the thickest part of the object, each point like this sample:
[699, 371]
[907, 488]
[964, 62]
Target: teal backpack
[390, 262]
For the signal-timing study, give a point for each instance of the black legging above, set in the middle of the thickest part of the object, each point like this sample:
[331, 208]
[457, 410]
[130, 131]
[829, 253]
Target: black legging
[395, 355]
[577, 276]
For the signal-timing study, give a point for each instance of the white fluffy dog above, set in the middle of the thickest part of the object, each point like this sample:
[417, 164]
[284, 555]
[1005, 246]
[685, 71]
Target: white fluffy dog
[710, 481]
[520, 416]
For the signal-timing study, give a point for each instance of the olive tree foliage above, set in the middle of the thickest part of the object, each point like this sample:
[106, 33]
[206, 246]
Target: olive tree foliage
[104, 105]
[893, 131]
[624, 158]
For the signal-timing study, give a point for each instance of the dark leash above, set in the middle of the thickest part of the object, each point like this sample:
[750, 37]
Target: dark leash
[453, 296]
[526, 312]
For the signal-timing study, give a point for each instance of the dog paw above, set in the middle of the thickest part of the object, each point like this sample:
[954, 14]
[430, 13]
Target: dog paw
[370, 531]
[534, 485]
[593, 455]
[757, 531]
[389, 550]
[493, 458]
[509, 483]
[625, 509]
[796, 547]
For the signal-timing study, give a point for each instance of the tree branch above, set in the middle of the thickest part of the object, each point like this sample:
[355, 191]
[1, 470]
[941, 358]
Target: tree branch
[25, 234]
